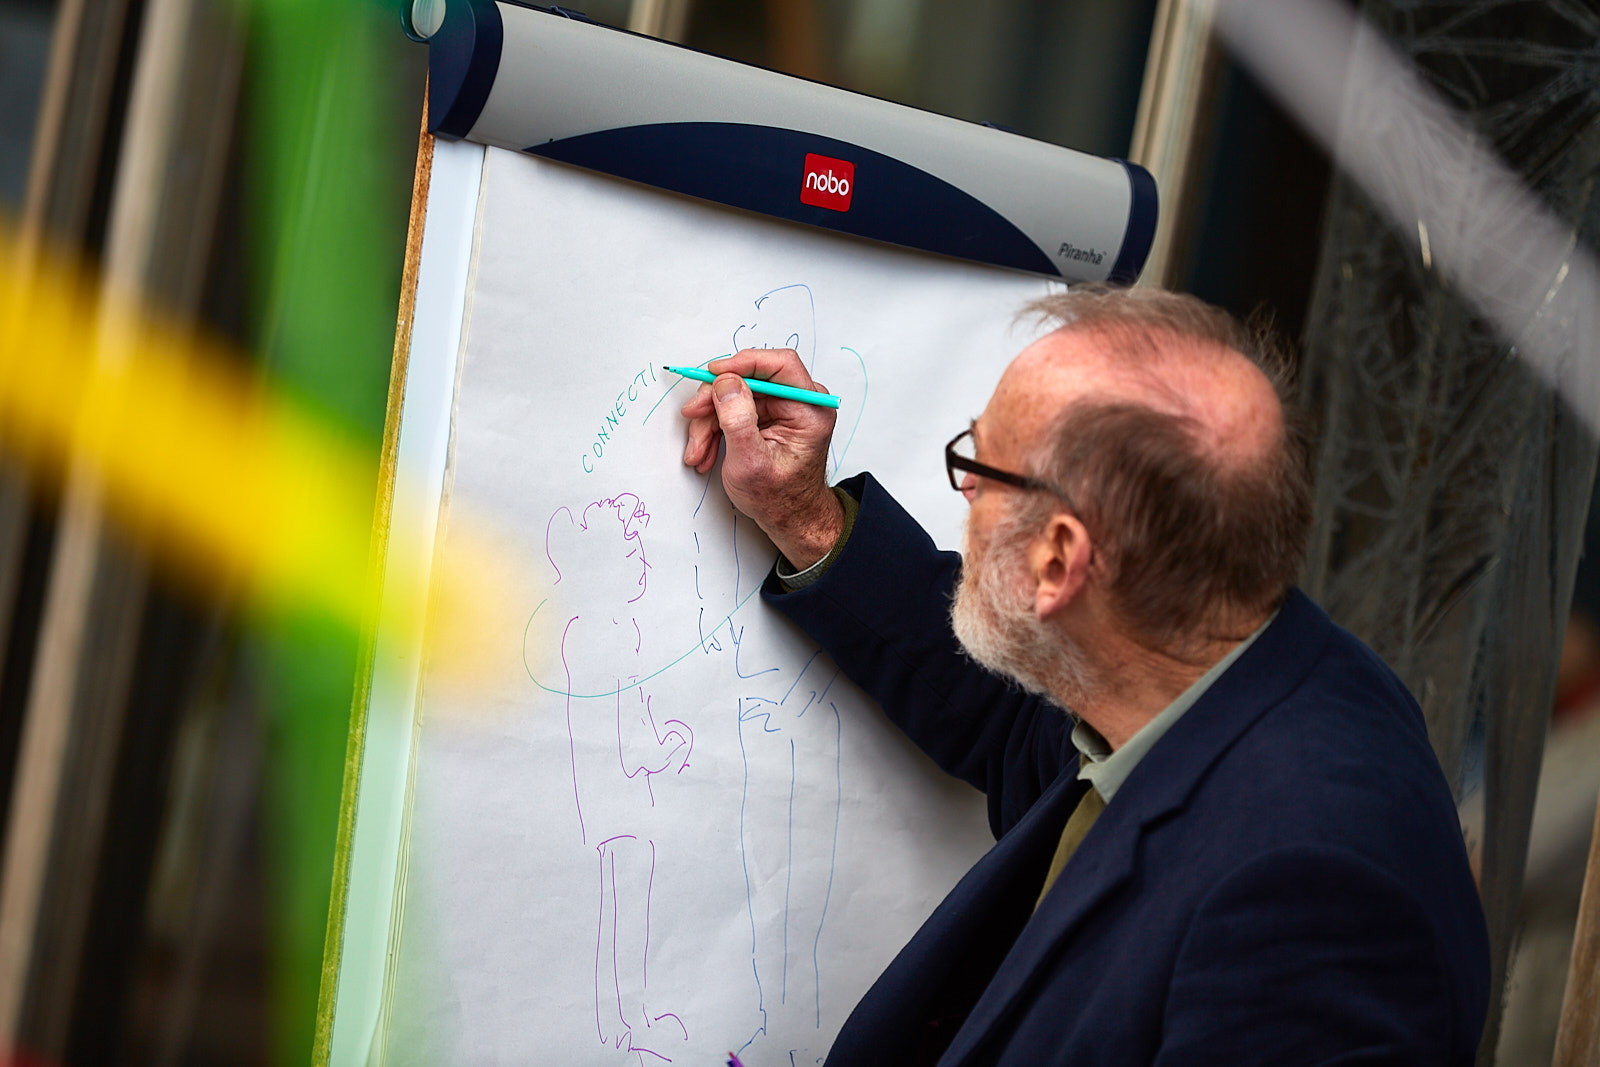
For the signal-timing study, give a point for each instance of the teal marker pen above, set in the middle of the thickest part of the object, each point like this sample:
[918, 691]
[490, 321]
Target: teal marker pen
[786, 392]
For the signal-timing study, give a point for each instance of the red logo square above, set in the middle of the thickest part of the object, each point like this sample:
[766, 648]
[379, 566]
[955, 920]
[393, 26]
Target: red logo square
[828, 182]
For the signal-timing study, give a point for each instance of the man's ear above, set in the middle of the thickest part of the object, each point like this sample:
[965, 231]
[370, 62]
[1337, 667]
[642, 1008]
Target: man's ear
[1059, 559]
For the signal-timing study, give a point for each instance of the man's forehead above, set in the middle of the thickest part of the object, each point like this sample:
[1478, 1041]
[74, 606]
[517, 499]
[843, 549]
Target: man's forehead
[1052, 372]
[1075, 359]
[1228, 395]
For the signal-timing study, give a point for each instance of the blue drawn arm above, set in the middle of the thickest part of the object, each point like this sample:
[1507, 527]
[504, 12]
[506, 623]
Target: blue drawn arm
[882, 611]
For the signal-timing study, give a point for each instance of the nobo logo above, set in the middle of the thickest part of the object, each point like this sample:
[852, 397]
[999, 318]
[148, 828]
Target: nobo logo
[828, 182]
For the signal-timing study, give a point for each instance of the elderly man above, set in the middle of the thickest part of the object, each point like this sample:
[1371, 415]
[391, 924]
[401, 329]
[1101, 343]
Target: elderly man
[1222, 834]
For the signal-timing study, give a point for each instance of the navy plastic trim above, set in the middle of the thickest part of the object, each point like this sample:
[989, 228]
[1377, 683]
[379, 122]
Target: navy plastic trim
[761, 168]
[1141, 231]
[405, 24]
[463, 59]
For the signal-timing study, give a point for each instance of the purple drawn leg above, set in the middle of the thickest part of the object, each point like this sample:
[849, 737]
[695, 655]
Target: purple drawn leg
[622, 953]
[607, 982]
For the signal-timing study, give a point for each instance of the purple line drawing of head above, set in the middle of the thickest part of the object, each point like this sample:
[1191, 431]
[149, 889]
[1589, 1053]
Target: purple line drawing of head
[609, 531]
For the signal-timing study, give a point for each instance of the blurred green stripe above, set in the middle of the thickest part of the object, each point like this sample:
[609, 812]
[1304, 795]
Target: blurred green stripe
[334, 93]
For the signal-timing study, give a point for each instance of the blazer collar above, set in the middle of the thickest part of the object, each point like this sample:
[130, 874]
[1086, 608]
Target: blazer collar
[1270, 669]
[1268, 672]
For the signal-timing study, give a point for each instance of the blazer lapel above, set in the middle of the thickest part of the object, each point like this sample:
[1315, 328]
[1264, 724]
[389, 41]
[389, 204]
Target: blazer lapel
[1101, 866]
[1268, 671]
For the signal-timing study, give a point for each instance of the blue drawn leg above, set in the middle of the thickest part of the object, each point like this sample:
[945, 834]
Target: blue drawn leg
[760, 868]
[789, 824]
[813, 839]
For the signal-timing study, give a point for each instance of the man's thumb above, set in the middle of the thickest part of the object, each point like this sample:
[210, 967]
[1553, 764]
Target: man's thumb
[736, 413]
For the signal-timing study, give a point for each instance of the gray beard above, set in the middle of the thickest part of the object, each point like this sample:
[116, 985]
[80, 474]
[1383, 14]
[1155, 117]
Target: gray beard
[994, 619]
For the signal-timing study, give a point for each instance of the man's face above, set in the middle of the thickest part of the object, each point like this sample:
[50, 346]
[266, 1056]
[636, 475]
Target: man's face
[994, 615]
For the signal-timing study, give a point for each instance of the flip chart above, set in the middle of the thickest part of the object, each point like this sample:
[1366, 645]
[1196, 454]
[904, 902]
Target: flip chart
[673, 828]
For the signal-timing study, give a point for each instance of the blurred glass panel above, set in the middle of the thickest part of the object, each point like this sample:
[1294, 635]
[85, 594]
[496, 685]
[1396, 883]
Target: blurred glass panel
[610, 12]
[1065, 73]
[24, 50]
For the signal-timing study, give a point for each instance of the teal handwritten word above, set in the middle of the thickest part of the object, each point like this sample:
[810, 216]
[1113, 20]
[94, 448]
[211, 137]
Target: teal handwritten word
[611, 422]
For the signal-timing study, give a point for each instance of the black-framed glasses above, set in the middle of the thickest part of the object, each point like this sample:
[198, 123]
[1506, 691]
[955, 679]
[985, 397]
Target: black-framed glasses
[958, 456]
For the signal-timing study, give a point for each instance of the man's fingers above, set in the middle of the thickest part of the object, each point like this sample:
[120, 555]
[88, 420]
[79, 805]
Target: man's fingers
[701, 439]
[702, 452]
[699, 405]
[768, 364]
[708, 459]
[736, 416]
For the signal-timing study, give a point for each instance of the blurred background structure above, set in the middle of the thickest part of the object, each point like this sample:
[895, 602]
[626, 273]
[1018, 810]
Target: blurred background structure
[171, 753]
[1452, 478]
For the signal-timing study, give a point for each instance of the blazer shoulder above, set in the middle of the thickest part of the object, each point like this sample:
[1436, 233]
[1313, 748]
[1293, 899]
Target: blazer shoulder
[1316, 948]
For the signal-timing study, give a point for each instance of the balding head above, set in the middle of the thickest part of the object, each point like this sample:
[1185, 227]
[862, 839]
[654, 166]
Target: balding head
[1231, 406]
[1170, 428]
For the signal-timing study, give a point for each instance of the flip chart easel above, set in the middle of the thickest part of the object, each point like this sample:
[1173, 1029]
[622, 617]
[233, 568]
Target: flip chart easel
[663, 826]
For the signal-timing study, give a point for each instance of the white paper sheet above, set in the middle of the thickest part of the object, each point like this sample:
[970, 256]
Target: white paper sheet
[674, 830]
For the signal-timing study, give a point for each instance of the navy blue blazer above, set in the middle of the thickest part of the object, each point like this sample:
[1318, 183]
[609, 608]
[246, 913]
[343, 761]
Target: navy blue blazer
[1281, 880]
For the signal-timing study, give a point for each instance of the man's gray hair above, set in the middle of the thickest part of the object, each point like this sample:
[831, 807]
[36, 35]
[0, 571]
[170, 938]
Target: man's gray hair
[1192, 542]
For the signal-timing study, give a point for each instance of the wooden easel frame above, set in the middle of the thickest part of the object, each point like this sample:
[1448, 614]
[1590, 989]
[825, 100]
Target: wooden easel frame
[368, 890]
[383, 508]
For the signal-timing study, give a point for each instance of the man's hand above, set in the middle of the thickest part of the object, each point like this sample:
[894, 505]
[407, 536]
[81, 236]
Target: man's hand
[777, 462]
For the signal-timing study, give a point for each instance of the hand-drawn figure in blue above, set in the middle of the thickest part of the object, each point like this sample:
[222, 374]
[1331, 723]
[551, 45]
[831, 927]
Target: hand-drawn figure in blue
[622, 747]
[789, 737]
[786, 317]
[789, 830]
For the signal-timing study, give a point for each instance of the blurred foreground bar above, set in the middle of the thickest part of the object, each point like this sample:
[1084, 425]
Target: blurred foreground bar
[131, 152]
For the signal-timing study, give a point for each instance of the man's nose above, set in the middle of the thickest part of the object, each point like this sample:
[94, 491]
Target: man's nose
[969, 486]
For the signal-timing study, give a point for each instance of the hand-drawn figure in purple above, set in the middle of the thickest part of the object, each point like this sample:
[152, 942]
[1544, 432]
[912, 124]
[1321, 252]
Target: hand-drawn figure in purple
[620, 744]
[789, 736]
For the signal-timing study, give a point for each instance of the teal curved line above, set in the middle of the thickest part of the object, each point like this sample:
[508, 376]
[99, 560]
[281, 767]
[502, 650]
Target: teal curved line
[860, 409]
[669, 391]
[633, 684]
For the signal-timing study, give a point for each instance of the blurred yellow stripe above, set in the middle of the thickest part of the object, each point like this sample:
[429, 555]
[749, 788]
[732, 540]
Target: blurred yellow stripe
[230, 486]
[224, 481]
